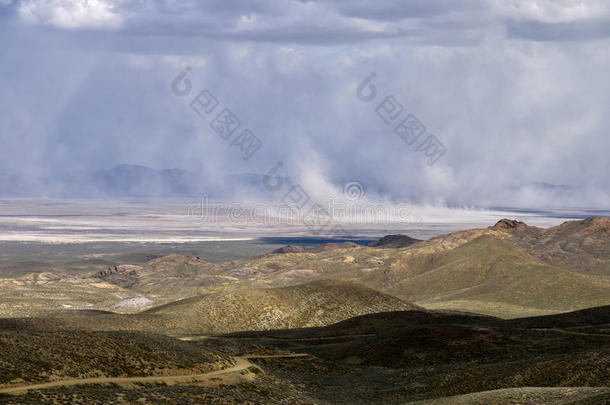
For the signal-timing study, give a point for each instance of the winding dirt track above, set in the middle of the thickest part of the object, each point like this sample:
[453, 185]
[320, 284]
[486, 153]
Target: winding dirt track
[241, 363]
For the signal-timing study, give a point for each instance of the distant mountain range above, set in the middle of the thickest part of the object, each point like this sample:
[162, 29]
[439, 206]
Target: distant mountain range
[128, 180]
[132, 180]
[141, 180]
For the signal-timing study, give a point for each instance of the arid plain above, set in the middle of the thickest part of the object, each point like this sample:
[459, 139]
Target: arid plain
[504, 313]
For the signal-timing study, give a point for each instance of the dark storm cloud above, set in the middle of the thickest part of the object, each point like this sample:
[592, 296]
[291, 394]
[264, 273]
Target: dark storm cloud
[297, 22]
[393, 10]
[586, 30]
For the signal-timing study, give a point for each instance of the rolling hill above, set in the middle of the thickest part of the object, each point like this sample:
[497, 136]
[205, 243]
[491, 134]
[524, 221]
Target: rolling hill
[311, 304]
[399, 357]
[490, 275]
[582, 246]
[508, 270]
[38, 356]
[239, 308]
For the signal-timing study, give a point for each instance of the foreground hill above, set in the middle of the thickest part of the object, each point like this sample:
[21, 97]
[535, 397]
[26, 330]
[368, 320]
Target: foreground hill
[44, 356]
[391, 357]
[527, 395]
[408, 356]
[313, 304]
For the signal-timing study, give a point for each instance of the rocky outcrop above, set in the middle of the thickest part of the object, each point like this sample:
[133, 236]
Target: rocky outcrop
[394, 241]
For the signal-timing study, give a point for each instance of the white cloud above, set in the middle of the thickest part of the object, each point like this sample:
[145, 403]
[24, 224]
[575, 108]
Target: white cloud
[552, 11]
[72, 14]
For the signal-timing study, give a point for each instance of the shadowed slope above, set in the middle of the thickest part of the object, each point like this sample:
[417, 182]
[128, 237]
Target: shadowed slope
[43, 356]
[407, 356]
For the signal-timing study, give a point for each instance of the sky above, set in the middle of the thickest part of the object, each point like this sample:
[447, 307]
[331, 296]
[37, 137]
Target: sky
[512, 96]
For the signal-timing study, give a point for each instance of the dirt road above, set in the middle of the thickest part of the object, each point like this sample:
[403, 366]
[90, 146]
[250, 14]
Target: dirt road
[241, 363]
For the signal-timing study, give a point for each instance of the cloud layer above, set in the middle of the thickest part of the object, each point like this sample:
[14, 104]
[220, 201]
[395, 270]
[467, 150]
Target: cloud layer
[516, 91]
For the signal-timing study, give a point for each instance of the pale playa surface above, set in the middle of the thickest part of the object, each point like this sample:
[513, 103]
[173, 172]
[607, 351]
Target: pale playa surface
[76, 221]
